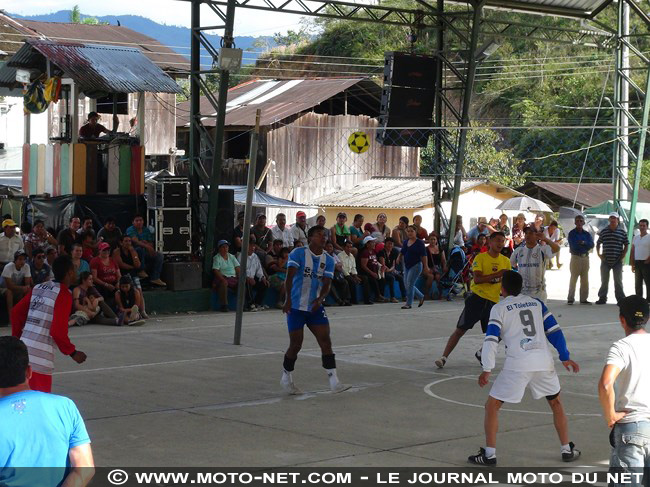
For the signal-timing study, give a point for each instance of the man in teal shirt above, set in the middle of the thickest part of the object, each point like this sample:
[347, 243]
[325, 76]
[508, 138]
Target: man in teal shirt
[144, 243]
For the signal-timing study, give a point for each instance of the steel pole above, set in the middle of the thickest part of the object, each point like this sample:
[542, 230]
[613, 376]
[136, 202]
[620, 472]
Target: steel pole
[248, 214]
[437, 137]
[217, 157]
[195, 99]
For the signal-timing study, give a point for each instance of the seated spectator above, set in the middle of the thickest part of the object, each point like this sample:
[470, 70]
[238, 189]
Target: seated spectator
[68, 236]
[39, 238]
[518, 233]
[88, 246]
[399, 232]
[87, 227]
[340, 289]
[80, 265]
[349, 268]
[370, 267]
[39, 268]
[256, 281]
[88, 305]
[38, 429]
[109, 233]
[151, 262]
[436, 266]
[340, 233]
[263, 236]
[106, 273]
[421, 232]
[322, 221]
[388, 258]
[238, 234]
[272, 257]
[279, 275]
[281, 232]
[17, 279]
[357, 233]
[300, 229]
[382, 232]
[25, 229]
[52, 253]
[128, 261]
[481, 228]
[10, 242]
[225, 268]
[480, 246]
[460, 235]
[128, 303]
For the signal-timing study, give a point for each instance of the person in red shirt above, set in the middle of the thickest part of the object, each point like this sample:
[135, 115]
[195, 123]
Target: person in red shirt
[40, 320]
[92, 129]
[106, 272]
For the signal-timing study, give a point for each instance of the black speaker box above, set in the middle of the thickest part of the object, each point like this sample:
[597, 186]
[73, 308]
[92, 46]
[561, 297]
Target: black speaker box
[225, 216]
[182, 276]
[410, 70]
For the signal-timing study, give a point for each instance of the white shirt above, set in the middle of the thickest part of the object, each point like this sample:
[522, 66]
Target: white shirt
[641, 247]
[531, 264]
[632, 356]
[16, 276]
[298, 233]
[283, 234]
[349, 264]
[253, 266]
[9, 246]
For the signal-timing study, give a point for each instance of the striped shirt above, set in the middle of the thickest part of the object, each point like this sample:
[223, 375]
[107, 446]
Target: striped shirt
[613, 243]
[311, 269]
[40, 320]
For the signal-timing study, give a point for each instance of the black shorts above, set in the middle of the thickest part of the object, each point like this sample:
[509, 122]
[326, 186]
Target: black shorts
[476, 308]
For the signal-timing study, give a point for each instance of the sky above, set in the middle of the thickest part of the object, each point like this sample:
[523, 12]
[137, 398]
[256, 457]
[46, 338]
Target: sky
[171, 12]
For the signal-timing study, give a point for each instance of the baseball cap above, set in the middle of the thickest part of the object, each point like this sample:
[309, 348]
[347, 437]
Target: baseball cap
[222, 242]
[18, 253]
[635, 310]
[369, 238]
[9, 223]
[300, 213]
[341, 214]
[103, 246]
[614, 214]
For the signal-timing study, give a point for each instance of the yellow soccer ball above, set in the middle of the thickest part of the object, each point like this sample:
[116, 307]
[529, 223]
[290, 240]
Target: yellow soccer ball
[358, 142]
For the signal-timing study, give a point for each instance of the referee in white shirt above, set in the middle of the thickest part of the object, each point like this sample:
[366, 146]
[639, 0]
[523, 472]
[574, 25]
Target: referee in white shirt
[640, 260]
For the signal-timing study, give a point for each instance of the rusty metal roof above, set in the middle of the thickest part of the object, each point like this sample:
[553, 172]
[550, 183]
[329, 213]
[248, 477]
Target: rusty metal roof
[95, 68]
[278, 99]
[562, 194]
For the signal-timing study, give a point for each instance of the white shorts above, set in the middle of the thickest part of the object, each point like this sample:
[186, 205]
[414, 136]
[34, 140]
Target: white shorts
[510, 385]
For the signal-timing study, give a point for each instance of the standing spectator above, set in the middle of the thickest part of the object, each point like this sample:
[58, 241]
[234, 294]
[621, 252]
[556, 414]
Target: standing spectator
[340, 232]
[460, 235]
[44, 431]
[256, 282]
[39, 269]
[17, 279]
[415, 261]
[238, 234]
[349, 268]
[382, 231]
[530, 261]
[627, 408]
[321, 221]
[225, 268]
[420, 231]
[68, 236]
[106, 273]
[518, 235]
[613, 242]
[300, 229]
[263, 235]
[357, 233]
[281, 232]
[109, 233]
[481, 228]
[279, 276]
[399, 232]
[79, 264]
[39, 238]
[580, 244]
[40, 319]
[552, 232]
[128, 261]
[640, 259]
[370, 267]
[502, 226]
[389, 257]
[340, 290]
[143, 241]
[538, 225]
[436, 266]
[87, 227]
[10, 242]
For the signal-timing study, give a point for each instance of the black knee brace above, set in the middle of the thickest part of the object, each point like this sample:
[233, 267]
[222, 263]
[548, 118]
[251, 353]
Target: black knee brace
[550, 398]
[289, 363]
[329, 362]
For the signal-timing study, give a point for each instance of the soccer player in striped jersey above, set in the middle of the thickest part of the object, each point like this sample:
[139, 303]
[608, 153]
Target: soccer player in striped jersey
[526, 326]
[309, 275]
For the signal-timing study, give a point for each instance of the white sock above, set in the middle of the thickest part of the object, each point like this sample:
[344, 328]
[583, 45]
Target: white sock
[331, 374]
[286, 377]
[490, 452]
[566, 448]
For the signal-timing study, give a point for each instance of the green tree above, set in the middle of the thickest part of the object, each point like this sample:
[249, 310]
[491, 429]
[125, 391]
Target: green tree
[77, 18]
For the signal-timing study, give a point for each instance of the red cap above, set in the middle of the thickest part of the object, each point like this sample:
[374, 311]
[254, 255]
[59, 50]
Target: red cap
[103, 246]
[301, 213]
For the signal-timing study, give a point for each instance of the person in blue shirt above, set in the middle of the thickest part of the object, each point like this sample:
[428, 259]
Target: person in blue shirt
[580, 244]
[38, 429]
[309, 276]
[144, 243]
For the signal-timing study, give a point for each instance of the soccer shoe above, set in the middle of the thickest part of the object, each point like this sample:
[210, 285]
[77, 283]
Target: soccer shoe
[481, 459]
[290, 388]
[478, 356]
[135, 323]
[339, 387]
[440, 363]
[573, 455]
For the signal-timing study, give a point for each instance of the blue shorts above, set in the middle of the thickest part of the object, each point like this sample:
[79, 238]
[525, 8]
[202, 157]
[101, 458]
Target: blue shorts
[297, 319]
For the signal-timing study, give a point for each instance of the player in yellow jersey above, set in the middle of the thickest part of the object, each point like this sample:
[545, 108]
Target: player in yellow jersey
[488, 268]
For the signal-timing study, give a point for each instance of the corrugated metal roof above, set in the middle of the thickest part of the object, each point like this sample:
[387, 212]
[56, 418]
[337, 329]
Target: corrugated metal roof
[589, 194]
[278, 99]
[565, 8]
[96, 68]
[388, 193]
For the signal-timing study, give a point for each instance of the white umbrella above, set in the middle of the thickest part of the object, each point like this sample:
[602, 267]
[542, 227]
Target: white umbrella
[524, 203]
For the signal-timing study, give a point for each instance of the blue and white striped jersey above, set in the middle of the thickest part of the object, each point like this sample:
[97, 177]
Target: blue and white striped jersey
[310, 271]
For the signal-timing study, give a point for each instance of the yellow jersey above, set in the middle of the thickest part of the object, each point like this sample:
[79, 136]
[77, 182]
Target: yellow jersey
[486, 264]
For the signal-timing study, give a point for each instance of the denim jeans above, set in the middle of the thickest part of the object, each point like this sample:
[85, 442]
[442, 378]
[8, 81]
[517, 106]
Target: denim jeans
[617, 270]
[631, 452]
[412, 275]
[151, 263]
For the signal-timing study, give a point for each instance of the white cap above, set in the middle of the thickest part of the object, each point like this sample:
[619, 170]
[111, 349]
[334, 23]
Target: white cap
[369, 238]
[614, 214]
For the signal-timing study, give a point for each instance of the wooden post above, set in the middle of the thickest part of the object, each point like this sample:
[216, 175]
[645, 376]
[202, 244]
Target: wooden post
[140, 115]
[74, 113]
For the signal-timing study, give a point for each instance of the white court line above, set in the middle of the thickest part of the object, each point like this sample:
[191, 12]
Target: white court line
[427, 390]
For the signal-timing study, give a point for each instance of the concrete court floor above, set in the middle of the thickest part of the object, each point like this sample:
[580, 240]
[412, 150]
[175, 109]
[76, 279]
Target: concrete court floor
[176, 392]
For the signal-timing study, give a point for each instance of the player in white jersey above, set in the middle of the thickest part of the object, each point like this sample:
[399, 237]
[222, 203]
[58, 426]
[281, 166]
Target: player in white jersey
[309, 275]
[526, 326]
[530, 260]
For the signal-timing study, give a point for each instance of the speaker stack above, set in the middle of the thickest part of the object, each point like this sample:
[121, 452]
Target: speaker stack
[168, 202]
[407, 99]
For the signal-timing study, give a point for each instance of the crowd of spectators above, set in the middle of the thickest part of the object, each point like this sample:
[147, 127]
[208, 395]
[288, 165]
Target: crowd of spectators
[109, 266]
